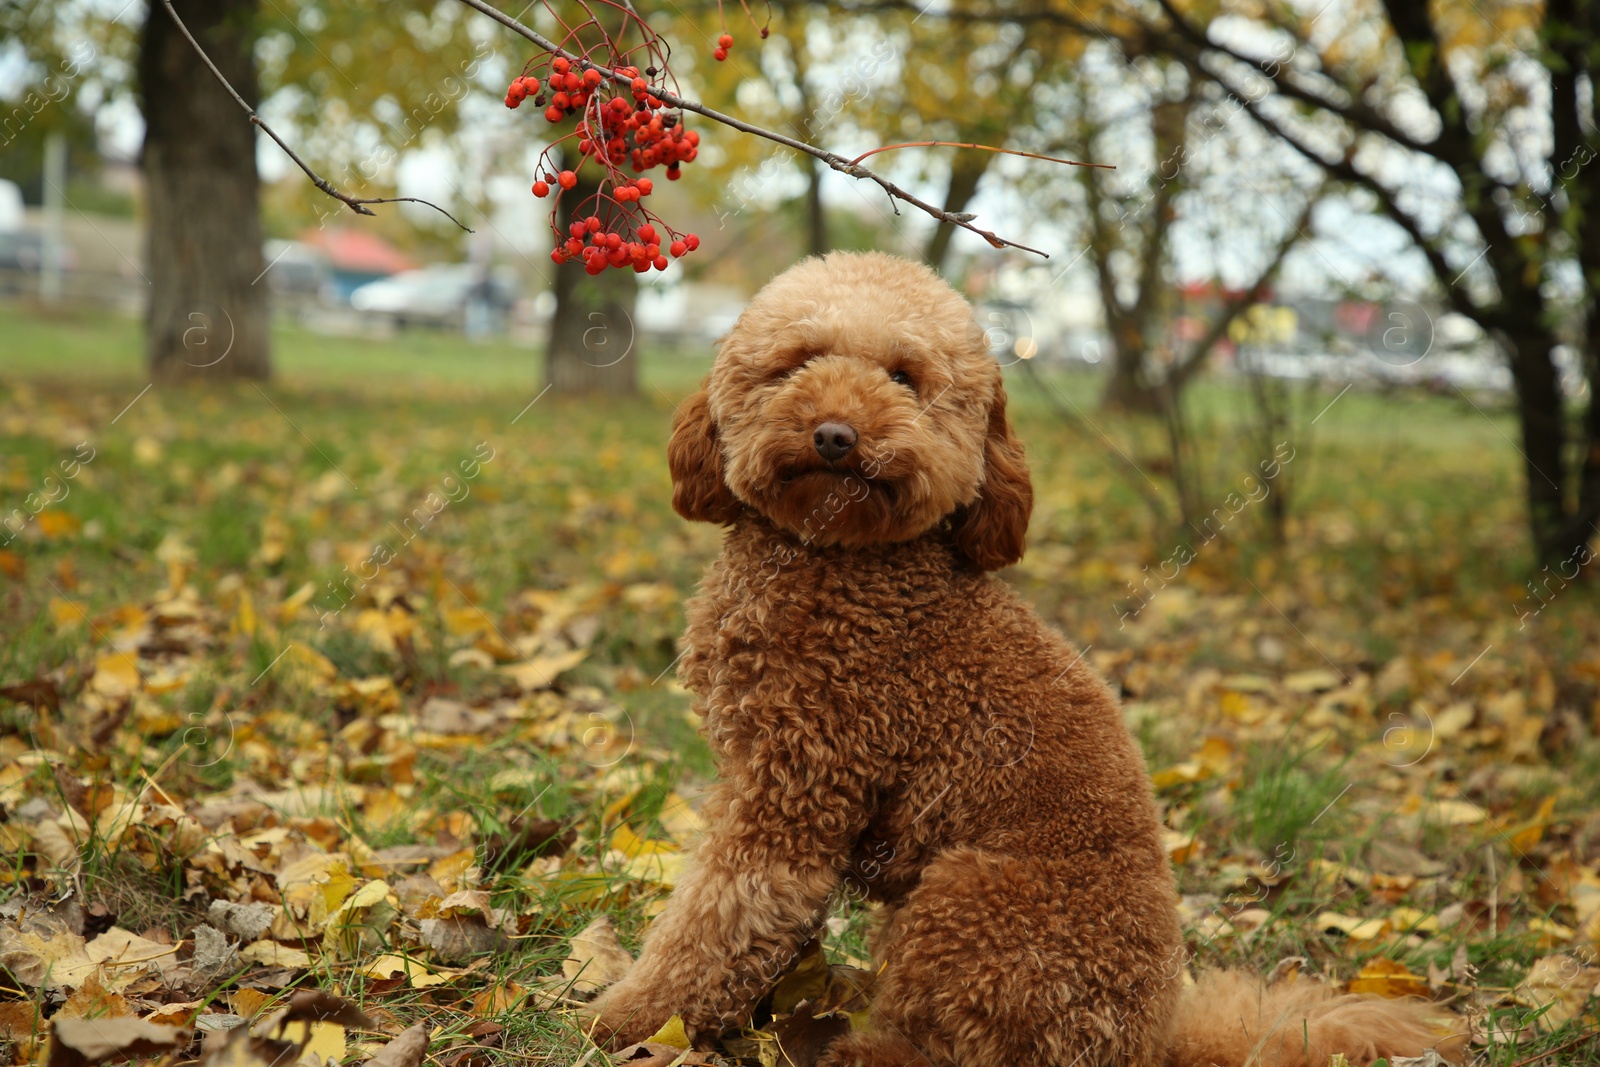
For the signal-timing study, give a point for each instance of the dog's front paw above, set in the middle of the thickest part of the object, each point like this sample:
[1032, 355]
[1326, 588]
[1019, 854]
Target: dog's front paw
[619, 1018]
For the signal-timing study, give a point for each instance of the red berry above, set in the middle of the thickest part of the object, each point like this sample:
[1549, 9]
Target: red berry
[592, 224]
[725, 42]
[647, 234]
[530, 84]
[660, 262]
[558, 255]
[764, 32]
[692, 241]
[720, 54]
[577, 228]
[613, 241]
[677, 249]
[541, 189]
[644, 185]
[591, 77]
[554, 114]
[567, 179]
[560, 65]
[574, 246]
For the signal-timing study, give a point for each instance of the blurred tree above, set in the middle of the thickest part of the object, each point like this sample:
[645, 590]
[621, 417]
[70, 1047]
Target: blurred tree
[205, 315]
[1160, 131]
[975, 86]
[383, 75]
[1475, 133]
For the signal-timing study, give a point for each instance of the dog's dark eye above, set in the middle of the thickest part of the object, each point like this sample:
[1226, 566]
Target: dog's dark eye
[900, 377]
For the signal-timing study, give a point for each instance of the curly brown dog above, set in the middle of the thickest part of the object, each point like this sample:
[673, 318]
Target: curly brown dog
[887, 715]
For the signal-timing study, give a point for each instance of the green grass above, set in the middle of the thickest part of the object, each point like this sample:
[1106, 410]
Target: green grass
[80, 345]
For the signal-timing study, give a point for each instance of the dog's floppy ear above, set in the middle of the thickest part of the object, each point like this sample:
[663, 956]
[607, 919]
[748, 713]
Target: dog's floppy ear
[695, 459]
[992, 530]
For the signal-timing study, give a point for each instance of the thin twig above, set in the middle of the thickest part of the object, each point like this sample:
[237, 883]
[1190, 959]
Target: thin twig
[981, 148]
[839, 163]
[355, 203]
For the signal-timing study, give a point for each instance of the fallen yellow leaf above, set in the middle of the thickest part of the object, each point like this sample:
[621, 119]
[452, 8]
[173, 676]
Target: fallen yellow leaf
[1388, 978]
[671, 1033]
[1353, 928]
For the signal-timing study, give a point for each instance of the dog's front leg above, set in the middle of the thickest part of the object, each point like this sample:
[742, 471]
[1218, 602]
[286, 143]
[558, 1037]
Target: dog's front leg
[757, 889]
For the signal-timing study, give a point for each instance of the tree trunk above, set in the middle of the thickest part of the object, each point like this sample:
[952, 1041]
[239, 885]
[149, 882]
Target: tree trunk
[1126, 387]
[816, 213]
[207, 317]
[1541, 411]
[594, 346]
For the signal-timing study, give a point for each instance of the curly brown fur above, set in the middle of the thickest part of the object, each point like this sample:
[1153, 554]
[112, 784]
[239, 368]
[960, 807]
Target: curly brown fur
[889, 718]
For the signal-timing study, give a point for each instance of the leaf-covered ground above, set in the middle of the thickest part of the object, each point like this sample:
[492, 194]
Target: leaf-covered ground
[361, 682]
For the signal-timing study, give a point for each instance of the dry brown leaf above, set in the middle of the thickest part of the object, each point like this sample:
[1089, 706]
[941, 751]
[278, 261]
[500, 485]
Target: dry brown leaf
[93, 1000]
[249, 1002]
[118, 948]
[596, 958]
[1560, 985]
[407, 1050]
[460, 940]
[19, 1020]
[272, 954]
[803, 1037]
[540, 672]
[54, 960]
[87, 1042]
[51, 842]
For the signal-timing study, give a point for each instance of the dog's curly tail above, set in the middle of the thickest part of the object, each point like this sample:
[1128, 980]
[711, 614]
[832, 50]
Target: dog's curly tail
[1229, 1019]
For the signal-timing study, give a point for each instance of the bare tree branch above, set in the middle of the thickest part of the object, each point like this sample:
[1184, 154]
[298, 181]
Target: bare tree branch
[1344, 170]
[1251, 294]
[356, 203]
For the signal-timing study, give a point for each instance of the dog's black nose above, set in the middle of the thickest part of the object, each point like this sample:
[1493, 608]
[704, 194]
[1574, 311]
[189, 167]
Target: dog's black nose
[834, 440]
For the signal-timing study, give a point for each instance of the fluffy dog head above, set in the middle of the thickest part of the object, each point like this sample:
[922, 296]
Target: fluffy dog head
[855, 403]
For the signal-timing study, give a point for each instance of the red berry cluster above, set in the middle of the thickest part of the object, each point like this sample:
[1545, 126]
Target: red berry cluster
[521, 89]
[724, 45]
[599, 249]
[619, 121]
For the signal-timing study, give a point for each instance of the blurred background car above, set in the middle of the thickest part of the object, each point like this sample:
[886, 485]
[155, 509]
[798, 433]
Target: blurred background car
[441, 295]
